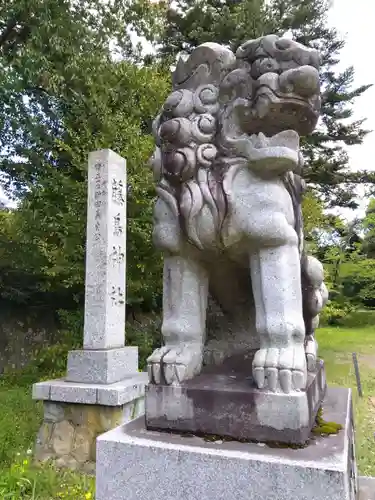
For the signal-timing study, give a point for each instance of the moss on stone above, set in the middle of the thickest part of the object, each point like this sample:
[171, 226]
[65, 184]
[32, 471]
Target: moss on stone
[323, 428]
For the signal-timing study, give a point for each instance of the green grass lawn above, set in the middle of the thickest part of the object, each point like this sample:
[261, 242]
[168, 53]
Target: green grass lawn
[335, 347]
[20, 418]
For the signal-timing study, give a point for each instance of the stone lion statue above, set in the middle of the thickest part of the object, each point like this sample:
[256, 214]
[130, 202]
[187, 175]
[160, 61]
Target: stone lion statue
[228, 213]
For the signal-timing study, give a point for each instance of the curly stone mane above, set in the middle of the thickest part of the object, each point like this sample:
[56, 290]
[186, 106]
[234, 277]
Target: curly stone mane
[200, 141]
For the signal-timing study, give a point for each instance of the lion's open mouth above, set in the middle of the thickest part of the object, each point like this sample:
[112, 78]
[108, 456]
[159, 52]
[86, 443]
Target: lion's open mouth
[272, 113]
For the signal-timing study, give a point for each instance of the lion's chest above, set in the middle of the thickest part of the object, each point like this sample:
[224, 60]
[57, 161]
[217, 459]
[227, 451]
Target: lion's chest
[258, 209]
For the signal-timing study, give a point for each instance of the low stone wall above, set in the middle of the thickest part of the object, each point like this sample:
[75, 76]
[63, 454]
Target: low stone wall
[69, 431]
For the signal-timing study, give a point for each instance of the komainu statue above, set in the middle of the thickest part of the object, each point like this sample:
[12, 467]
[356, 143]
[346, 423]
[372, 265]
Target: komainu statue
[228, 216]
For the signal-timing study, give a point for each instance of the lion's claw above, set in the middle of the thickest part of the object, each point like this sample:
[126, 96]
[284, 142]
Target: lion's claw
[280, 369]
[171, 365]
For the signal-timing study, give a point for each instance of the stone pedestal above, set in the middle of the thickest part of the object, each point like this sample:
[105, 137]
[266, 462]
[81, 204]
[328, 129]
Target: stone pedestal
[136, 464]
[105, 366]
[76, 414]
[102, 388]
[366, 488]
[225, 402]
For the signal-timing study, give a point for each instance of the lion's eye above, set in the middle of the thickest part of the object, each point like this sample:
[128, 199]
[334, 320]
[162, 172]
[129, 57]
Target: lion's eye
[266, 65]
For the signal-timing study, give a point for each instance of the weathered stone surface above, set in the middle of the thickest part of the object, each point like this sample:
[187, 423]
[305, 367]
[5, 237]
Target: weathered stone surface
[228, 216]
[88, 468]
[53, 412]
[366, 488]
[181, 468]
[109, 417]
[62, 438]
[41, 391]
[44, 434]
[105, 366]
[102, 380]
[84, 439]
[72, 392]
[227, 403]
[128, 412]
[139, 409]
[67, 462]
[44, 456]
[104, 326]
[116, 394]
[123, 392]
[70, 431]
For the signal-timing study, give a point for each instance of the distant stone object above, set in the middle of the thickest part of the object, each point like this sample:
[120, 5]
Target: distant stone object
[228, 169]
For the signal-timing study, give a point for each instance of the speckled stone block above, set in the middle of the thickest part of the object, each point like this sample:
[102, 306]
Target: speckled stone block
[225, 402]
[105, 287]
[136, 464]
[116, 394]
[124, 391]
[102, 367]
[366, 488]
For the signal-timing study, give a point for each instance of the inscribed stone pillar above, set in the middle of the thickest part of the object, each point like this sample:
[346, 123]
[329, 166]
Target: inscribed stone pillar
[103, 387]
[105, 252]
[104, 359]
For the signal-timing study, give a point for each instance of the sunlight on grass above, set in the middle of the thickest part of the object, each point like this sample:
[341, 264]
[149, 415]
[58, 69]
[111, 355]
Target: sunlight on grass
[335, 347]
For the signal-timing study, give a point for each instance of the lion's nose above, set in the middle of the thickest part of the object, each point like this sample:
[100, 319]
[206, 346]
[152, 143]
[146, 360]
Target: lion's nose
[303, 81]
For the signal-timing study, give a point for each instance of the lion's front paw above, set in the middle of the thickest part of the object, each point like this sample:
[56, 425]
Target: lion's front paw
[311, 350]
[173, 364]
[284, 368]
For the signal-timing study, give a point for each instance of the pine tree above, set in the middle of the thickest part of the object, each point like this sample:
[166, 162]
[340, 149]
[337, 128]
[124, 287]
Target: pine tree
[369, 230]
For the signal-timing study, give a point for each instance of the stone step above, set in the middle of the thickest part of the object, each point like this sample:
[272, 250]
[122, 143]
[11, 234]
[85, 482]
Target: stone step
[366, 488]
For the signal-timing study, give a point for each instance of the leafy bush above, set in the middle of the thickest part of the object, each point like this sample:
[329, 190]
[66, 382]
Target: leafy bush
[146, 335]
[334, 313]
[359, 318]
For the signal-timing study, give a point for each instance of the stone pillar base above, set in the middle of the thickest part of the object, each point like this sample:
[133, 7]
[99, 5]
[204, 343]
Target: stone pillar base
[76, 414]
[106, 366]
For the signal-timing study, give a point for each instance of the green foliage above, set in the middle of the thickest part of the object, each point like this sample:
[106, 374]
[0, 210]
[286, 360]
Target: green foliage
[357, 280]
[145, 335]
[23, 480]
[335, 313]
[359, 318]
[369, 230]
[336, 346]
[49, 361]
[62, 96]
[19, 420]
